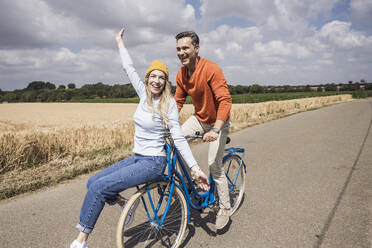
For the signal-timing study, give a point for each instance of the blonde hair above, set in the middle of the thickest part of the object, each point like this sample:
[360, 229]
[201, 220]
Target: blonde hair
[164, 101]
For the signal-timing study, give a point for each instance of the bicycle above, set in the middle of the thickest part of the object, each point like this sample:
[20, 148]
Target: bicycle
[163, 212]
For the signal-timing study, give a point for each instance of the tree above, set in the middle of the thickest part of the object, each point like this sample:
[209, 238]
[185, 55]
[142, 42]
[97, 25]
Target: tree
[255, 88]
[69, 95]
[50, 86]
[28, 96]
[71, 86]
[356, 86]
[330, 87]
[35, 85]
[43, 96]
[10, 97]
[61, 87]
[368, 86]
[61, 95]
[130, 91]
[239, 89]
[39, 85]
[287, 88]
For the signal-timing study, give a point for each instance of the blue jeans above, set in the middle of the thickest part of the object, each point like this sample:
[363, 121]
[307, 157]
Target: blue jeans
[106, 185]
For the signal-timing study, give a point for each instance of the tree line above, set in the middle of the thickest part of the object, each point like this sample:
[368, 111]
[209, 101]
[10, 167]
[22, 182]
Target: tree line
[40, 91]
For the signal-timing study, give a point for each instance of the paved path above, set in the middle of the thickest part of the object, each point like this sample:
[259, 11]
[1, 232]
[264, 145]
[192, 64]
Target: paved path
[309, 184]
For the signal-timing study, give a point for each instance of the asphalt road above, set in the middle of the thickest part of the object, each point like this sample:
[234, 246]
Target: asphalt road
[309, 184]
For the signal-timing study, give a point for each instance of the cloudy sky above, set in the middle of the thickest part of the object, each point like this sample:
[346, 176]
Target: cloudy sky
[269, 42]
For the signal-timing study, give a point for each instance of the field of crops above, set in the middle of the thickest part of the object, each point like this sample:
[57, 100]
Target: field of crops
[44, 143]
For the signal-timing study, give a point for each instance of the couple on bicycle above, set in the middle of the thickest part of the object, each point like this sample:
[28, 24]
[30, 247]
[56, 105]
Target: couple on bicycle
[157, 111]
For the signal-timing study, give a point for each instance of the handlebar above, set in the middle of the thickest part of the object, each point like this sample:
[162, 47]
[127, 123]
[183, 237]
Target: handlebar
[197, 135]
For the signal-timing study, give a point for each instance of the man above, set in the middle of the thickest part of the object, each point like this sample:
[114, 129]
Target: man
[204, 81]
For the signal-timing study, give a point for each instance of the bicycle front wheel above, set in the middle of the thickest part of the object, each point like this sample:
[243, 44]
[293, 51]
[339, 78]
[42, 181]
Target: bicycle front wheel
[146, 228]
[236, 181]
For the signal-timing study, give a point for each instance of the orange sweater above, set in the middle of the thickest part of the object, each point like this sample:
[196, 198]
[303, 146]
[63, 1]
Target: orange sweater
[208, 90]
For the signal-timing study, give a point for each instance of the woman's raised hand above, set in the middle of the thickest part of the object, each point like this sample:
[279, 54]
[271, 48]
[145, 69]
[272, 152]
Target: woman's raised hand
[119, 38]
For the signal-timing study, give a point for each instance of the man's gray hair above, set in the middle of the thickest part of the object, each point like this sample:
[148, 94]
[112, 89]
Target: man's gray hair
[194, 37]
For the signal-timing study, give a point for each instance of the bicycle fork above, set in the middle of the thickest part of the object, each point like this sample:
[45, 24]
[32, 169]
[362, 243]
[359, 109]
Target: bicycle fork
[166, 194]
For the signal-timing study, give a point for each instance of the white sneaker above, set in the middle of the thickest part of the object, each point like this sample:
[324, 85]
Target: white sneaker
[130, 216]
[222, 218]
[77, 244]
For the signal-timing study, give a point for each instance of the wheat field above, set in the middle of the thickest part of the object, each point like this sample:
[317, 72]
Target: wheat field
[42, 144]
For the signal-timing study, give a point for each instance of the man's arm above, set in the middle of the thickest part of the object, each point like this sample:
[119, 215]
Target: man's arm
[221, 92]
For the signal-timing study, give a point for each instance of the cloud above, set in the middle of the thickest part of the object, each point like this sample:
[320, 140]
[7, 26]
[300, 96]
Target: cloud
[32, 24]
[361, 13]
[67, 41]
[339, 35]
[267, 42]
[38, 23]
[60, 66]
[254, 11]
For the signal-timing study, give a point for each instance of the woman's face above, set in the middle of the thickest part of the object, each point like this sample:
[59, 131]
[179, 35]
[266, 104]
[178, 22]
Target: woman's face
[156, 82]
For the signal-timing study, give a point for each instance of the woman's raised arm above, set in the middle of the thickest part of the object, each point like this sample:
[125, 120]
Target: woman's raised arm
[128, 65]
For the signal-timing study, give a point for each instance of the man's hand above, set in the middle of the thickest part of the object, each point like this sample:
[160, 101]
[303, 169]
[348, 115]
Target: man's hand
[200, 178]
[210, 136]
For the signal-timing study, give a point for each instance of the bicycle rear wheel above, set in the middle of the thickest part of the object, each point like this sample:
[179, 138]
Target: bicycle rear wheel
[236, 181]
[145, 230]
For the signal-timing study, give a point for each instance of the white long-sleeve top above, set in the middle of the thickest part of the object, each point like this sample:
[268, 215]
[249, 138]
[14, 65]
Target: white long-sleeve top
[149, 131]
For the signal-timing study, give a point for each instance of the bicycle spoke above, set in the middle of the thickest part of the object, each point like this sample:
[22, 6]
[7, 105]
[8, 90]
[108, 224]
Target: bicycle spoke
[145, 231]
[236, 180]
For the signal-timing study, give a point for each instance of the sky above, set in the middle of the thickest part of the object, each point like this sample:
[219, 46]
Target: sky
[268, 42]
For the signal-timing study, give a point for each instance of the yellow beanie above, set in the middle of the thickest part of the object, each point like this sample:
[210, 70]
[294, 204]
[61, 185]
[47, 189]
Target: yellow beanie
[157, 65]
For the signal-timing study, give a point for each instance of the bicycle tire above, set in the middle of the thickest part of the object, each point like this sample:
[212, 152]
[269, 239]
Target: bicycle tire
[145, 233]
[236, 183]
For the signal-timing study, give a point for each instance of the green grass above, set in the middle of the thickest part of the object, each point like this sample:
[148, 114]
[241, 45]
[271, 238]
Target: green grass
[108, 100]
[245, 98]
[362, 93]
[264, 97]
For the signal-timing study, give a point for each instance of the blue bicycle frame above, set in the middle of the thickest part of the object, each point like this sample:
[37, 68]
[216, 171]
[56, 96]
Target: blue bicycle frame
[174, 178]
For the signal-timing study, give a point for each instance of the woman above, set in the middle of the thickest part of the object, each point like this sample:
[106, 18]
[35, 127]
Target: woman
[156, 111]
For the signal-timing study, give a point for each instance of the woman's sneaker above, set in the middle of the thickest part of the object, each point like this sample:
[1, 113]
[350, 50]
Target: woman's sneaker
[130, 216]
[77, 244]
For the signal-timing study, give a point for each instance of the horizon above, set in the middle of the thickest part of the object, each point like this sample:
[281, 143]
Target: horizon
[244, 85]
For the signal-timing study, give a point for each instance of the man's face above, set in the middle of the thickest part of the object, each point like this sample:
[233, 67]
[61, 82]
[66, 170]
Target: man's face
[186, 51]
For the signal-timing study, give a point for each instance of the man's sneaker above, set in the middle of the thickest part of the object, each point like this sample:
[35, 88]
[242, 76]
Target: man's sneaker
[130, 216]
[222, 218]
[77, 244]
